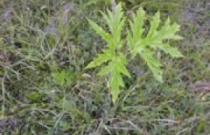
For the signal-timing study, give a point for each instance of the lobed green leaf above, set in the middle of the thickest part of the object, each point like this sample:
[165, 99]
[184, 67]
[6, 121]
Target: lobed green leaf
[100, 59]
[174, 52]
[153, 64]
[115, 82]
[107, 37]
[154, 23]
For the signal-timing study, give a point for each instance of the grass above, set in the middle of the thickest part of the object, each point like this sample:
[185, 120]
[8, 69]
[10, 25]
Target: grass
[45, 89]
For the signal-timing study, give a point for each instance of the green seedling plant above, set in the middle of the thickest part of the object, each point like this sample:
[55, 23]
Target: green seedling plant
[139, 42]
[62, 78]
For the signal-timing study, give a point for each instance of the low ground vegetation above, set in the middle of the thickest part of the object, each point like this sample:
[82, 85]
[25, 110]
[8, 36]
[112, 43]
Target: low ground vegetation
[45, 88]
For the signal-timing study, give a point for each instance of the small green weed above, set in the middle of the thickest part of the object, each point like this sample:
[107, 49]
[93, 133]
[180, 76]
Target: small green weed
[62, 78]
[136, 44]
